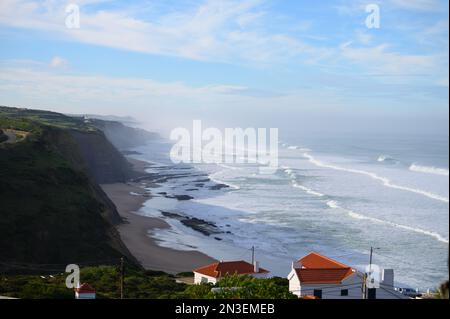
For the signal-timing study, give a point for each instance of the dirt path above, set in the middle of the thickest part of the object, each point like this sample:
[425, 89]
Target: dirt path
[14, 136]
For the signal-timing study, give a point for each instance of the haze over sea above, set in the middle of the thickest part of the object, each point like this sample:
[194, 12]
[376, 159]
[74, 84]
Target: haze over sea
[338, 196]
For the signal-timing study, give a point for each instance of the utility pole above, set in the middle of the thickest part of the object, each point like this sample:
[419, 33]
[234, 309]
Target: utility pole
[253, 255]
[122, 273]
[370, 271]
[364, 286]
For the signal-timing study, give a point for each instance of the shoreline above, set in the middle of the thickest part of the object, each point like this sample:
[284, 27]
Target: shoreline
[135, 228]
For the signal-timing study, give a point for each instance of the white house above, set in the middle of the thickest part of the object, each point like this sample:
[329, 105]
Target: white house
[85, 291]
[214, 272]
[318, 277]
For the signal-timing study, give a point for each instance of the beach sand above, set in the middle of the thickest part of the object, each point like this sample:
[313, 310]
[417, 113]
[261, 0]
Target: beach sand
[134, 230]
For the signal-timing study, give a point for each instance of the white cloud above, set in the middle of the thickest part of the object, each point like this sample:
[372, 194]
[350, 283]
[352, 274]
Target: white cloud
[418, 5]
[58, 62]
[224, 31]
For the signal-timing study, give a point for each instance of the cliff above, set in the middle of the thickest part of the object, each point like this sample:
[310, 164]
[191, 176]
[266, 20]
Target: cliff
[122, 136]
[52, 210]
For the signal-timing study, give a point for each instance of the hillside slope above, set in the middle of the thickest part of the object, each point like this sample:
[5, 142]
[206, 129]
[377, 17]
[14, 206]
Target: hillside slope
[52, 210]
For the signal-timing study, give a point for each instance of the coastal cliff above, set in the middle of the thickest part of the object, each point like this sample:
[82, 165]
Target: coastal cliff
[52, 209]
[122, 136]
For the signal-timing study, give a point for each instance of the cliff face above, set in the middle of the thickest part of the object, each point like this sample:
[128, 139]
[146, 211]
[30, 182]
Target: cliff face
[124, 137]
[103, 161]
[52, 210]
[92, 155]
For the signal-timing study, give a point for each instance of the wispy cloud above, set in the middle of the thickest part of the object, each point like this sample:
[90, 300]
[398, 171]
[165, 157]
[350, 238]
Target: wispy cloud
[58, 62]
[379, 60]
[419, 5]
[218, 30]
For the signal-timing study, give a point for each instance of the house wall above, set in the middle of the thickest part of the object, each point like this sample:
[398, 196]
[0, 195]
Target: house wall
[333, 291]
[353, 284]
[294, 283]
[84, 295]
[200, 278]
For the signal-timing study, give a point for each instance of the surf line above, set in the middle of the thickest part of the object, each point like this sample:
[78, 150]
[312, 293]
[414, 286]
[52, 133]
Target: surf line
[334, 205]
[386, 182]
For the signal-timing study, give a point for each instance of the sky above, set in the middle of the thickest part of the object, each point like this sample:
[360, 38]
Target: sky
[314, 64]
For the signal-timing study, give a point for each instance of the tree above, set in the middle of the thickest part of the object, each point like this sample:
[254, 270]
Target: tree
[242, 287]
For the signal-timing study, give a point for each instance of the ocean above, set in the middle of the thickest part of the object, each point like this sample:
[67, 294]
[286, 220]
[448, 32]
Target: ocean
[337, 195]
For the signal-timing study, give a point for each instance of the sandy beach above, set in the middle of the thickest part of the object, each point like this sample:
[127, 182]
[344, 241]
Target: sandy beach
[134, 230]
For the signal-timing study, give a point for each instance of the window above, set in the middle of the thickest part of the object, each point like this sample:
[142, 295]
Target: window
[318, 293]
[344, 292]
[204, 280]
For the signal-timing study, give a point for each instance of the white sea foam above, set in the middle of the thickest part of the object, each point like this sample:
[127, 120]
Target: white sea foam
[429, 170]
[384, 158]
[386, 182]
[335, 205]
[307, 190]
[213, 177]
[295, 147]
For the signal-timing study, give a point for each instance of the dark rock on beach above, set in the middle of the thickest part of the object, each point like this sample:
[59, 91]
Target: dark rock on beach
[180, 197]
[200, 225]
[218, 187]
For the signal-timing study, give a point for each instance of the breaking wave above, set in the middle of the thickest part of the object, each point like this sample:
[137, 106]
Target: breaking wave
[429, 170]
[335, 205]
[386, 159]
[386, 182]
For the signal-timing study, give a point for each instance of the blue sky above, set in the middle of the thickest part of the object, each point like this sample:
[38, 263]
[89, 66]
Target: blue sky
[259, 60]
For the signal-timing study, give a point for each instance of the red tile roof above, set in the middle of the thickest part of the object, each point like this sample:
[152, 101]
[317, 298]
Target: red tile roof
[221, 269]
[323, 276]
[308, 297]
[85, 288]
[318, 269]
[316, 260]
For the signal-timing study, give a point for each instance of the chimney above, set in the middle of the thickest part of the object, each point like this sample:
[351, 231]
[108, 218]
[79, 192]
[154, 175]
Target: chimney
[388, 278]
[296, 265]
[256, 266]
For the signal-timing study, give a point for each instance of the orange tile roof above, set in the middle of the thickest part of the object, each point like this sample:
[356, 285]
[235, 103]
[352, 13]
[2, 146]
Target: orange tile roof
[85, 288]
[323, 276]
[308, 297]
[318, 269]
[221, 269]
[316, 260]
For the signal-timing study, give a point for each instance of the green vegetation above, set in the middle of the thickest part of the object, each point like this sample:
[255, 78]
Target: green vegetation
[33, 120]
[51, 209]
[49, 212]
[140, 284]
[242, 287]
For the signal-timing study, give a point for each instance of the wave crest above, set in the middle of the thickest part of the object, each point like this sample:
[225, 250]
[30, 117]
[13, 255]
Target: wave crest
[429, 170]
